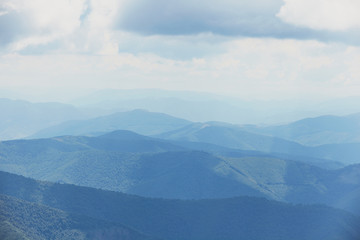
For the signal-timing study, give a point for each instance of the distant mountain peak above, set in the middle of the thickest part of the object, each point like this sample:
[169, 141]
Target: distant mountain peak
[138, 120]
[123, 135]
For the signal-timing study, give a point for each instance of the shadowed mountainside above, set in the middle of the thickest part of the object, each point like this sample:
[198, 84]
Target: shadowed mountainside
[242, 217]
[20, 219]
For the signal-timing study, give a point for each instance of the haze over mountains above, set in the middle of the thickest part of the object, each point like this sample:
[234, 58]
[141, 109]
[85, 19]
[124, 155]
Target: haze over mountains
[193, 106]
[192, 176]
[317, 131]
[20, 118]
[179, 120]
[202, 107]
[320, 133]
[140, 121]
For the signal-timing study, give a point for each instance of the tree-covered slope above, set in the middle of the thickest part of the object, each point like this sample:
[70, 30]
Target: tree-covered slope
[21, 219]
[127, 162]
[234, 218]
[10, 232]
[41, 155]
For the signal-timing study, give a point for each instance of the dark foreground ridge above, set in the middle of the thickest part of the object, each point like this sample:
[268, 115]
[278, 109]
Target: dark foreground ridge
[20, 219]
[231, 219]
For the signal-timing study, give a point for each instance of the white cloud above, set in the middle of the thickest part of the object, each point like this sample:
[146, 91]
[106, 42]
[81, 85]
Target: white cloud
[249, 68]
[89, 26]
[98, 35]
[75, 26]
[47, 20]
[333, 15]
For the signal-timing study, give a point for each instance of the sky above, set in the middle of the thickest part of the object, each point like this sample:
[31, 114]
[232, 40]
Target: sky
[250, 49]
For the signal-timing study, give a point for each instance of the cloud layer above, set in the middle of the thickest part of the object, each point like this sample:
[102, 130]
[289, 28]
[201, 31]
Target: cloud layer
[250, 48]
[248, 68]
[97, 26]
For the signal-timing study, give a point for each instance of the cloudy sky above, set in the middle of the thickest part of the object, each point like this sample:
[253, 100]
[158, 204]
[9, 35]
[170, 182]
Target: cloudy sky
[252, 49]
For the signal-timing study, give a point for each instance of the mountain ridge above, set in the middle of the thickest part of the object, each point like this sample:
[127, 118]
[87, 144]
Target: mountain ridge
[321, 130]
[233, 218]
[139, 121]
[128, 162]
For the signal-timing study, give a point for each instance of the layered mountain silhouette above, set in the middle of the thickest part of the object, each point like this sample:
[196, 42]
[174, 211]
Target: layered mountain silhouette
[146, 175]
[128, 162]
[287, 139]
[139, 121]
[316, 131]
[235, 137]
[20, 119]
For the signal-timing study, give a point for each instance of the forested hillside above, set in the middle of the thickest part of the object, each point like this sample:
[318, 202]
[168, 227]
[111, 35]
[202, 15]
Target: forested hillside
[233, 218]
[21, 219]
[127, 162]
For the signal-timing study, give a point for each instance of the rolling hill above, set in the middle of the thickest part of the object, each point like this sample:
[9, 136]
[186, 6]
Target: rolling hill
[233, 218]
[316, 131]
[127, 162]
[232, 136]
[139, 121]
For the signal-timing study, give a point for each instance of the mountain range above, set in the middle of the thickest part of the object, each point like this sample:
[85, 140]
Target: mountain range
[221, 134]
[140, 121]
[202, 107]
[104, 174]
[316, 131]
[232, 136]
[128, 162]
[20, 118]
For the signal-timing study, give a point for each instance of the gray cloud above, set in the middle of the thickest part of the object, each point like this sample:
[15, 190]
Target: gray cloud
[12, 27]
[169, 17]
[225, 19]
[251, 18]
